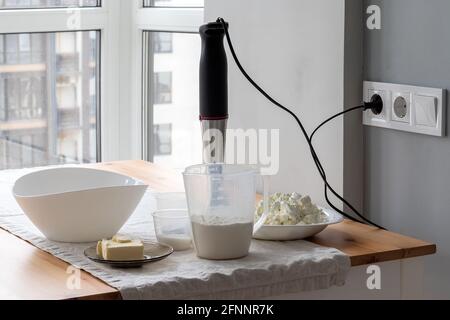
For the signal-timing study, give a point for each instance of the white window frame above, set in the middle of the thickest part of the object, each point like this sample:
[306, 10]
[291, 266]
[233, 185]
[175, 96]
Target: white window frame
[151, 19]
[105, 19]
[121, 23]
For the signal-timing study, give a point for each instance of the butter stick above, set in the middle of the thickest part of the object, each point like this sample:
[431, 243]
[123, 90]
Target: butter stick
[116, 251]
[121, 239]
[100, 249]
[120, 248]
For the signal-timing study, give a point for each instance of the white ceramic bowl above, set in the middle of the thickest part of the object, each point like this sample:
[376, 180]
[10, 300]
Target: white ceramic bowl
[78, 204]
[290, 233]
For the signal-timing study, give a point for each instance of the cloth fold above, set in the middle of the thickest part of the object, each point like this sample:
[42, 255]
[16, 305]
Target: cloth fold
[271, 269]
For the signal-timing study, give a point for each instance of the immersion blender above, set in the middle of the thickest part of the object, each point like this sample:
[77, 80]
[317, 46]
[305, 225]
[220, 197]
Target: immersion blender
[214, 110]
[214, 106]
[213, 92]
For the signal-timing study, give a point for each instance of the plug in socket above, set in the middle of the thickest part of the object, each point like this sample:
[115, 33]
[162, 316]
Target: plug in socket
[376, 98]
[373, 95]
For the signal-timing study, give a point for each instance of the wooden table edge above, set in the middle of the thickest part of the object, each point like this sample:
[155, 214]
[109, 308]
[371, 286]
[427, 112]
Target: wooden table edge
[111, 293]
[393, 255]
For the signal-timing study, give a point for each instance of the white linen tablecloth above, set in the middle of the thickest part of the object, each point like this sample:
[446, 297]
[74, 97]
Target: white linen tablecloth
[271, 269]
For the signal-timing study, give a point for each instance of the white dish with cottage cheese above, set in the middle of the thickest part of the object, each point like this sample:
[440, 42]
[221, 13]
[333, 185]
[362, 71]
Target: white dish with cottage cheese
[293, 217]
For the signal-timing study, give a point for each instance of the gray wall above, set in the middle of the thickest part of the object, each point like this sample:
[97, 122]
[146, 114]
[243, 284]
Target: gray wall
[353, 91]
[407, 176]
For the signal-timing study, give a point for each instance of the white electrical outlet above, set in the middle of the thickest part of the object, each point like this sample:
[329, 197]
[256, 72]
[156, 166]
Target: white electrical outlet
[401, 107]
[407, 108]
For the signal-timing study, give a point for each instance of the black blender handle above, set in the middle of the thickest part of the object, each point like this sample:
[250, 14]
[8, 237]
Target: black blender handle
[213, 73]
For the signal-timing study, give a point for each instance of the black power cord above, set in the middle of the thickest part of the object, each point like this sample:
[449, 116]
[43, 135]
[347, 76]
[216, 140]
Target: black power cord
[332, 118]
[307, 137]
[376, 105]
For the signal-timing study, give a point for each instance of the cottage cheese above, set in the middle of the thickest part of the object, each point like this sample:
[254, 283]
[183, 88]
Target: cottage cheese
[291, 209]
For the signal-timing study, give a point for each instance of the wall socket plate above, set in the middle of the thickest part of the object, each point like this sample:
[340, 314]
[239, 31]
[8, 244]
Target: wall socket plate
[408, 108]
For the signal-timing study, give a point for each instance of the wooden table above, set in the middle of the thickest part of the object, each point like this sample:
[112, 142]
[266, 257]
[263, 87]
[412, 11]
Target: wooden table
[29, 273]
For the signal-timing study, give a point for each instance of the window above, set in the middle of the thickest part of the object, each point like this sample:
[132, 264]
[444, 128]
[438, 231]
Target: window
[163, 139]
[2, 98]
[174, 3]
[174, 111]
[27, 4]
[162, 91]
[171, 55]
[57, 64]
[162, 42]
[46, 98]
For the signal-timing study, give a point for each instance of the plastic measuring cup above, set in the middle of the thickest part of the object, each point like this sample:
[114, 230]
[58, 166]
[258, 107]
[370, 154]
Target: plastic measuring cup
[221, 203]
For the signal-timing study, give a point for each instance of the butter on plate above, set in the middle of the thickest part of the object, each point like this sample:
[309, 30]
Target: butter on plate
[120, 248]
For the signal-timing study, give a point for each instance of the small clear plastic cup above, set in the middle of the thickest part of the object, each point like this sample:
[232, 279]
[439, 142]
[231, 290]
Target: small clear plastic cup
[173, 227]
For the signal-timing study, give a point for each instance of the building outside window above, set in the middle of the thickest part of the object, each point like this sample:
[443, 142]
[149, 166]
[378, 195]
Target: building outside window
[174, 3]
[163, 42]
[44, 85]
[17, 4]
[175, 99]
[162, 135]
[162, 93]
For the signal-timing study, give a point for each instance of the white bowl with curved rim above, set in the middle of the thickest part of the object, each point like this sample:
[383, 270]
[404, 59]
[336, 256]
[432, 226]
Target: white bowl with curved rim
[78, 204]
[297, 232]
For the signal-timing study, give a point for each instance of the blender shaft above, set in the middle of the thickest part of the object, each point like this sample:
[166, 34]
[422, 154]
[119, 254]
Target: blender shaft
[214, 140]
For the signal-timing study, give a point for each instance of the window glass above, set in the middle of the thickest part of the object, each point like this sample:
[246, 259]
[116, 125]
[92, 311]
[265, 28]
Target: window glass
[162, 134]
[174, 3]
[29, 4]
[162, 91]
[48, 98]
[162, 42]
[173, 93]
